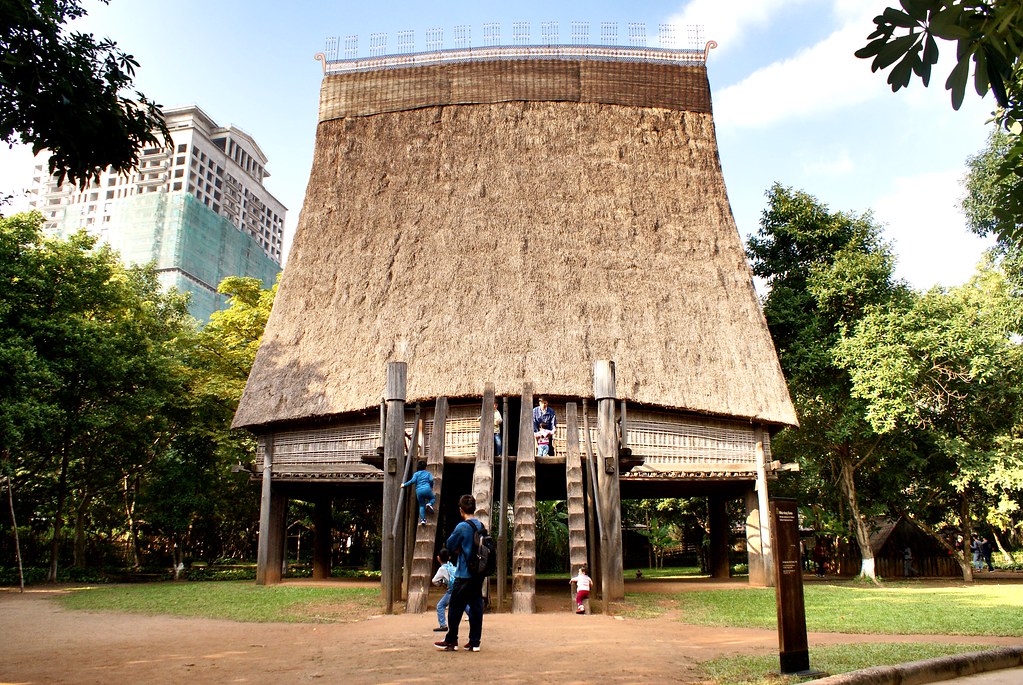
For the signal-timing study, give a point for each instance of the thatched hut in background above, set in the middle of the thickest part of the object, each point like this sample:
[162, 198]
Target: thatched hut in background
[515, 218]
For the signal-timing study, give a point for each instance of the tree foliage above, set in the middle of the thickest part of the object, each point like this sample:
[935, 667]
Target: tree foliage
[947, 364]
[825, 271]
[70, 93]
[989, 45]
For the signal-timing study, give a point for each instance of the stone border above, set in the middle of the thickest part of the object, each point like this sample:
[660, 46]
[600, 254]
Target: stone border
[930, 670]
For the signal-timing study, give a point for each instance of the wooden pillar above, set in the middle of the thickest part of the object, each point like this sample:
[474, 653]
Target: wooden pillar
[718, 560]
[394, 453]
[754, 541]
[524, 544]
[502, 519]
[483, 473]
[322, 537]
[594, 524]
[764, 507]
[609, 499]
[269, 553]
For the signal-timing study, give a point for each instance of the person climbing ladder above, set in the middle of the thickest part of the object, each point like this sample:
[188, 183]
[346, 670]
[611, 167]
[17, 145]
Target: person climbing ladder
[424, 490]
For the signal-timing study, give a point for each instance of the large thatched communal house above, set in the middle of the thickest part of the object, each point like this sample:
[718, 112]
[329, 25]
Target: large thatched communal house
[504, 223]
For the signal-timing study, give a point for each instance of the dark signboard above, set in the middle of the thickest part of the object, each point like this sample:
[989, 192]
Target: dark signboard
[788, 574]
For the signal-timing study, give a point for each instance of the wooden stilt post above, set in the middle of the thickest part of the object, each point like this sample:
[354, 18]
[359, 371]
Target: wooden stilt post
[524, 544]
[483, 473]
[754, 540]
[595, 524]
[718, 558]
[607, 480]
[502, 526]
[764, 508]
[394, 452]
[322, 537]
[264, 574]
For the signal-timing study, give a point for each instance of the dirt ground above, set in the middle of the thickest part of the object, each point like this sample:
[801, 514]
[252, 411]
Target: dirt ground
[40, 642]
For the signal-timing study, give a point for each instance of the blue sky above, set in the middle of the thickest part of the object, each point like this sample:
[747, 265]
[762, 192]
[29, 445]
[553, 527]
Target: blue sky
[791, 103]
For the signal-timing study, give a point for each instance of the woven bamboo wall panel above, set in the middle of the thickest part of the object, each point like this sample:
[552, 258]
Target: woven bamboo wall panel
[641, 84]
[344, 445]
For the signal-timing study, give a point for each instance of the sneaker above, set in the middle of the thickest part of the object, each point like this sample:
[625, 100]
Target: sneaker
[422, 522]
[440, 629]
[446, 646]
[429, 508]
[469, 647]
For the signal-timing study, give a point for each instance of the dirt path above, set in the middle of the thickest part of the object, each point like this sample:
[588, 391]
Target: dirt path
[43, 643]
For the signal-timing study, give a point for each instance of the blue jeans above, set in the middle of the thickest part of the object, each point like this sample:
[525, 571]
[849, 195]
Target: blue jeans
[497, 444]
[425, 496]
[442, 606]
[543, 450]
[466, 597]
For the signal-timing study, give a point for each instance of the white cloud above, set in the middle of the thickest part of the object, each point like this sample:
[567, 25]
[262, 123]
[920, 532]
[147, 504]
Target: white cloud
[725, 22]
[928, 231]
[822, 78]
[830, 165]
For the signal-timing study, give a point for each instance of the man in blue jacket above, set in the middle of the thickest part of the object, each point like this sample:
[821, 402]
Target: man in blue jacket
[467, 591]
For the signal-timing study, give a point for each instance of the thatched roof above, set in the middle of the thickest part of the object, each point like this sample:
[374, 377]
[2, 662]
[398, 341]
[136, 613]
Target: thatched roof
[517, 241]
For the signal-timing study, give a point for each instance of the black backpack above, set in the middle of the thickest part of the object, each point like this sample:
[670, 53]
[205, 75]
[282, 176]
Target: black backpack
[482, 560]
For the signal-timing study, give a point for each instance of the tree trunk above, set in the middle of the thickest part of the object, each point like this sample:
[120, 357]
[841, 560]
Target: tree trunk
[81, 517]
[965, 557]
[848, 485]
[133, 530]
[58, 515]
[1006, 557]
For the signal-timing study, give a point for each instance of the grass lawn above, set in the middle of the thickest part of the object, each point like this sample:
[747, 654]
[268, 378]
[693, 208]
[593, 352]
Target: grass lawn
[231, 600]
[852, 608]
[757, 670]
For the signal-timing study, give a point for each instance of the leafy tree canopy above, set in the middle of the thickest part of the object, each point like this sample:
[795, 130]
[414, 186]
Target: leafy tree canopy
[69, 93]
[989, 45]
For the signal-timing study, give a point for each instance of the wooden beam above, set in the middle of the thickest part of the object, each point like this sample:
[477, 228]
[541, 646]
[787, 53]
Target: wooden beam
[502, 522]
[754, 541]
[718, 557]
[609, 499]
[263, 547]
[322, 537]
[394, 452]
[764, 506]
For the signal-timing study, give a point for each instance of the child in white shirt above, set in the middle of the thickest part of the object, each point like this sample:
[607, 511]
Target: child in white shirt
[582, 586]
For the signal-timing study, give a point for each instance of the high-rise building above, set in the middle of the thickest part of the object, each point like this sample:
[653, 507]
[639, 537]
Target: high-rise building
[198, 209]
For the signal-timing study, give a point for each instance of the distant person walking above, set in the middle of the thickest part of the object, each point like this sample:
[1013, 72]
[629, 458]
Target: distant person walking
[978, 552]
[907, 563]
[820, 558]
[986, 550]
[423, 481]
[467, 591]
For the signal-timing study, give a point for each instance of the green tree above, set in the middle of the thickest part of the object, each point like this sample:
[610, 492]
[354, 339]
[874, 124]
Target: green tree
[96, 340]
[992, 204]
[825, 270]
[946, 363]
[190, 499]
[988, 35]
[70, 93]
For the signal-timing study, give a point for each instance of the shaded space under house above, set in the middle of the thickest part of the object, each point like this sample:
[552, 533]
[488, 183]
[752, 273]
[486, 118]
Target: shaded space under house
[502, 224]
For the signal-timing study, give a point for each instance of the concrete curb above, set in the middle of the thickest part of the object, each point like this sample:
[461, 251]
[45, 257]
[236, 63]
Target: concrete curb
[930, 670]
